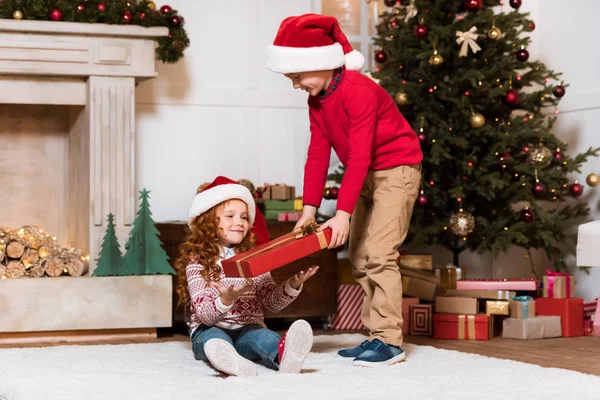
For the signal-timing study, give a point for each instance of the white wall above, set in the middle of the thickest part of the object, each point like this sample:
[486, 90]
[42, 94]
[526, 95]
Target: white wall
[219, 111]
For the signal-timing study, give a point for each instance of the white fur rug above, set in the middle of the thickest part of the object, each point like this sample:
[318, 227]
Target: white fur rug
[169, 371]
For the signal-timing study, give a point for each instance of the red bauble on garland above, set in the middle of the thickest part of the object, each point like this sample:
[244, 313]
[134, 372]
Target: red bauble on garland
[473, 5]
[333, 192]
[531, 26]
[576, 189]
[165, 9]
[127, 17]
[380, 57]
[559, 91]
[512, 97]
[101, 7]
[175, 21]
[516, 4]
[421, 31]
[527, 215]
[522, 55]
[56, 15]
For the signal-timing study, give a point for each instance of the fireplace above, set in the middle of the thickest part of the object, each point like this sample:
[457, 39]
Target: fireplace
[67, 145]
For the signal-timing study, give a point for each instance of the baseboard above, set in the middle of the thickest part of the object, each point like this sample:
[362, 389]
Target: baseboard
[8, 339]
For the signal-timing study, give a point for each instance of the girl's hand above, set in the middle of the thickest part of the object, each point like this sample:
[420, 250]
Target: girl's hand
[309, 212]
[230, 294]
[340, 227]
[297, 280]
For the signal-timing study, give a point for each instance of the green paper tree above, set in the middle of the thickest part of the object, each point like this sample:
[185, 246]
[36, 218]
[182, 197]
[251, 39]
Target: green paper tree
[110, 261]
[145, 254]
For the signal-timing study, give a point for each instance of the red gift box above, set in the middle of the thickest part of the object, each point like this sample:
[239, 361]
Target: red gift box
[569, 310]
[469, 327]
[406, 303]
[275, 253]
[588, 327]
[349, 308]
[589, 309]
[420, 319]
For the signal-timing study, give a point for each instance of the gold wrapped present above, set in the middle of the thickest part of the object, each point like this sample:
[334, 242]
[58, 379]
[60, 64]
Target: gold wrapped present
[497, 307]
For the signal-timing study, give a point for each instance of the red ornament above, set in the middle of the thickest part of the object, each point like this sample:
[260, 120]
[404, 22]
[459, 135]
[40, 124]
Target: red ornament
[559, 91]
[142, 15]
[515, 4]
[531, 26]
[422, 137]
[127, 17]
[539, 189]
[101, 7]
[389, 3]
[527, 215]
[175, 21]
[422, 200]
[512, 97]
[559, 155]
[473, 5]
[333, 192]
[381, 57]
[258, 193]
[421, 31]
[80, 8]
[522, 55]
[165, 9]
[56, 15]
[576, 189]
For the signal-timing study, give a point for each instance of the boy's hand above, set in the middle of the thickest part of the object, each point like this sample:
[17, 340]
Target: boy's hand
[340, 227]
[308, 212]
[231, 293]
[297, 280]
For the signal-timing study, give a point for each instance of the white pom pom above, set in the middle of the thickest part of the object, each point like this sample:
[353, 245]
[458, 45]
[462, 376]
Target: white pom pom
[354, 60]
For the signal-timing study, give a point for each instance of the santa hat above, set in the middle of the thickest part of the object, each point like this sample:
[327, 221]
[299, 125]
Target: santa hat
[311, 42]
[223, 189]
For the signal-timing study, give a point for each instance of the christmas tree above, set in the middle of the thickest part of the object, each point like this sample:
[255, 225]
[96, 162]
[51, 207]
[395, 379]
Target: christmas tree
[494, 174]
[110, 261]
[145, 254]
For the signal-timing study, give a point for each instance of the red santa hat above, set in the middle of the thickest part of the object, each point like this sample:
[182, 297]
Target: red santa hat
[311, 42]
[223, 189]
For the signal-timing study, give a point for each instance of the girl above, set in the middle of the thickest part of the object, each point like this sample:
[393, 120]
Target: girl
[227, 326]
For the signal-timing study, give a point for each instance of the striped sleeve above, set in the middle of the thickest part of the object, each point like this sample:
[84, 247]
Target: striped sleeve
[204, 297]
[273, 297]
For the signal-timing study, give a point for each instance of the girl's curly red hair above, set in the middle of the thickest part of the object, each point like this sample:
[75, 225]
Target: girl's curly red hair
[201, 244]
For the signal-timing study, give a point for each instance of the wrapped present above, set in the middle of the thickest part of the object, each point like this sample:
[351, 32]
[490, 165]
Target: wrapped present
[406, 303]
[416, 261]
[279, 205]
[588, 327]
[497, 307]
[278, 192]
[289, 216]
[344, 271]
[482, 294]
[525, 284]
[298, 204]
[558, 285]
[349, 308]
[589, 309]
[277, 252]
[415, 287]
[540, 327]
[522, 307]
[456, 305]
[420, 319]
[469, 327]
[569, 310]
[449, 275]
[428, 276]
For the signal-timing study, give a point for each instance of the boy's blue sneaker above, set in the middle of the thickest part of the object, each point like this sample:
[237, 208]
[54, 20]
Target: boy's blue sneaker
[355, 351]
[378, 353]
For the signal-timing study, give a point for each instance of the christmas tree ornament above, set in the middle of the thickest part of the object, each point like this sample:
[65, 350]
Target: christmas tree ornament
[494, 33]
[165, 9]
[559, 155]
[531, 26]
[436, 60]
[592, 179]
[559, 91]
[467, 40]
[422, 200]
[333, 192]
[101, 7]
[540, 156]
[527, 215]
[422, 138]
[151, 5]
[421, 31]
[515, 4]
[17, 14]
[477, 120]
[258, 193]
[56, 15]
[381, 57]
[411, 11]
[401, 98]
[539, 189]
[327, 192]
[175, 21]
[127, 17]
[512, 97]
[522, 55]
[389, 3]
[576, 189]
[462, 223]
[473, 5]
[80, 8]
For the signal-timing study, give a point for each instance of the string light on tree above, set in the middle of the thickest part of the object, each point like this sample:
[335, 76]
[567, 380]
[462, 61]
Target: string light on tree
[401, 98]
[422, 200]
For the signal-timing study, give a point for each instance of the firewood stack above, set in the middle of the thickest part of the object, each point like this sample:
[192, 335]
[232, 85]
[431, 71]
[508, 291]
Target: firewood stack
[31, 253]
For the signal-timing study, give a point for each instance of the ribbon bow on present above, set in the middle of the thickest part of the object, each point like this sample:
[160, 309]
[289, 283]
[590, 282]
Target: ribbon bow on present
[467, 39]
[524, 304]
[551, 276]
[411, 11]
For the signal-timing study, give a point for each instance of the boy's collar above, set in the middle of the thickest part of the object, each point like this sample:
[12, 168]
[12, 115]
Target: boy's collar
[336, 79]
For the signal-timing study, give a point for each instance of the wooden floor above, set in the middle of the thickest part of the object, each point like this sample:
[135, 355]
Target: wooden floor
[578, 354]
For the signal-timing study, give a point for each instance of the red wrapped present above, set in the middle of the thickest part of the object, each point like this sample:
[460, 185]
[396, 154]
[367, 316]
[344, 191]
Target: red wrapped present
[558, 285]
[277, 252]
[569, 310]
[470, 327]
[289, 216]
[420, 319]
[589, 309]
[588, 327]
[525, 284]
[349, 307]
[406, 303]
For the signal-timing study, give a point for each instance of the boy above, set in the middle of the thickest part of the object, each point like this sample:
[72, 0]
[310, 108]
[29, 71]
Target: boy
[359, 120]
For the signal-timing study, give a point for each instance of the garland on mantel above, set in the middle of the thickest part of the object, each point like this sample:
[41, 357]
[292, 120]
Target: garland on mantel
[121, 12]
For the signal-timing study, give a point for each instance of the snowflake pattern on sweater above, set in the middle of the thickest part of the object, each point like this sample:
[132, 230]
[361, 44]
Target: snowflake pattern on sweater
[207, 309]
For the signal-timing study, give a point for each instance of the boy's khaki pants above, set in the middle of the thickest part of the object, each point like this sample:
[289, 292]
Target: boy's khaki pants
[378, 227]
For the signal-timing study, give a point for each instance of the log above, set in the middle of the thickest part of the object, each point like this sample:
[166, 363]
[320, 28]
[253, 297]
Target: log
[30, 257]
[15, 269]
[76, 267]
[53, 267]
[2, 270]
[15, 249]
[2, 256]
[44, 251]
[35, 271]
